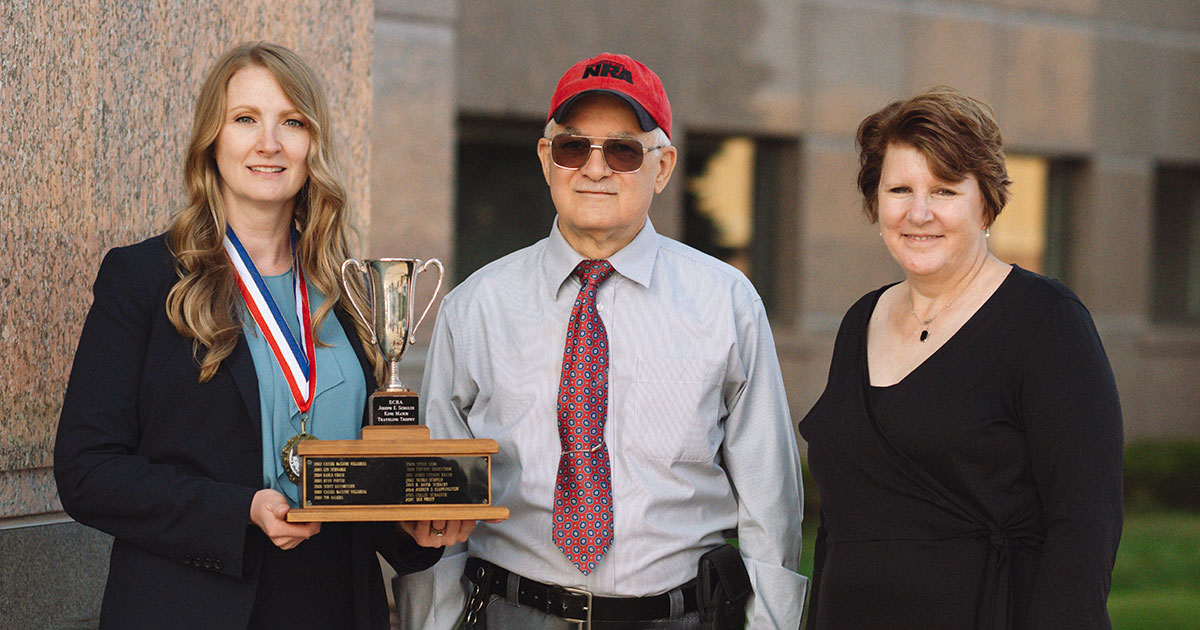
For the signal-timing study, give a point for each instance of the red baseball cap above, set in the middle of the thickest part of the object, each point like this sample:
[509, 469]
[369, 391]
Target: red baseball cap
[619, 75]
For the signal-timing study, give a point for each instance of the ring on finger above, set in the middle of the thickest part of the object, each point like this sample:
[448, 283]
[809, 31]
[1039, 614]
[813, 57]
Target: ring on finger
[437, 532]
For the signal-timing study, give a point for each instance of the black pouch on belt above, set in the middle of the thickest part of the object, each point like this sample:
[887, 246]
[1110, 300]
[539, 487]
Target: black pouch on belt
[474, 615]
[722, 588]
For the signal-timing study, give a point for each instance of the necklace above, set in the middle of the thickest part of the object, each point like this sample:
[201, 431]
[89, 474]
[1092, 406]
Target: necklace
[925, 322]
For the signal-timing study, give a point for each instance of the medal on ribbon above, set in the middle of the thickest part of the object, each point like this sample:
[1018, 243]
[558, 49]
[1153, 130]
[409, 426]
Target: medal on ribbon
[297, 359]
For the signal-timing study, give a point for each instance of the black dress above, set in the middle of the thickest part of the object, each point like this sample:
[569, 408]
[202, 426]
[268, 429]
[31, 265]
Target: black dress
[981, 491]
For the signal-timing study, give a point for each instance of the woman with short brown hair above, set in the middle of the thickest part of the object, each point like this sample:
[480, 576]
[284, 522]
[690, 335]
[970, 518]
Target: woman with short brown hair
[967, 446]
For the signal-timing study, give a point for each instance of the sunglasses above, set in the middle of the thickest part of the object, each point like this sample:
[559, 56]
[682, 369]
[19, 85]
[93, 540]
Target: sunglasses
[623, 155]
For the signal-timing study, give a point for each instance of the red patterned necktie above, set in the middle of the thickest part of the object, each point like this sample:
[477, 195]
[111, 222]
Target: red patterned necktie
[583, 492]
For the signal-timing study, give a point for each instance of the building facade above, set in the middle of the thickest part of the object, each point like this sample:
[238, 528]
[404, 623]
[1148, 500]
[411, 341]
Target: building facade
[1096, 100]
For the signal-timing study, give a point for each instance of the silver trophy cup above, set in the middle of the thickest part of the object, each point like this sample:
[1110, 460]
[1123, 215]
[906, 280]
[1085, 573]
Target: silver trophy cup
[389, 315]
[394, 472]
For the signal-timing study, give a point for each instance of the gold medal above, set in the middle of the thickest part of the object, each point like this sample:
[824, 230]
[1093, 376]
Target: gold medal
[290, 456]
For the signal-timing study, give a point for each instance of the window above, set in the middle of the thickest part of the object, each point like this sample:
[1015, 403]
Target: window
[1177, 246]
[502, 202]
[1019, 235]
[739, 203]
[1030, 231]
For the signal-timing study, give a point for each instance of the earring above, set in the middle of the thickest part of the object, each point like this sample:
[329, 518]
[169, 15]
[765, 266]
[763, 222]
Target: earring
[987, 232]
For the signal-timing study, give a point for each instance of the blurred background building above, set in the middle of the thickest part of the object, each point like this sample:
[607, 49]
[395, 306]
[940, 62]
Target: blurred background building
[439, 104]
[1098, 101]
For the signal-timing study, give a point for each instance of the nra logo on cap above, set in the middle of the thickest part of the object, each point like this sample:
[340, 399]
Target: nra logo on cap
[608, 69]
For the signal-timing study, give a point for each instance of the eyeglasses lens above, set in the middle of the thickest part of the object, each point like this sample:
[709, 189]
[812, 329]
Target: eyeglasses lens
[621, 154]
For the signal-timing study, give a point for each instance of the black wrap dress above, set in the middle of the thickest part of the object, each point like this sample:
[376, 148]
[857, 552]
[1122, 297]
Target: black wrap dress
[981, 491]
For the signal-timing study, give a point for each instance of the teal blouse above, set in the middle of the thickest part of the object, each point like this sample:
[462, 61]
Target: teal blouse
[341, 393]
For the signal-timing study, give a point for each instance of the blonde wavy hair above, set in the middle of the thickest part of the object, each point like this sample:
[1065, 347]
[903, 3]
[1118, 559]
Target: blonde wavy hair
[203, 304]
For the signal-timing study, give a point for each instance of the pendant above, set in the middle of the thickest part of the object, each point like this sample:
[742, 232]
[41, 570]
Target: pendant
[290, 456]
[924, 334]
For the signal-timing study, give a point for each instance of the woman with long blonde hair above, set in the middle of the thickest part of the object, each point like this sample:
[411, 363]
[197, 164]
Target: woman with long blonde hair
[208, 354]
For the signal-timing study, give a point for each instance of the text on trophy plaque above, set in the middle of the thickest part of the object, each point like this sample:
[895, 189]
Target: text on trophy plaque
[393, 409]
[396, 473]
[408, 480]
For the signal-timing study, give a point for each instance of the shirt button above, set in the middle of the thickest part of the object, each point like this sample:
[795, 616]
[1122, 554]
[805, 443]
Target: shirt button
[599, 307]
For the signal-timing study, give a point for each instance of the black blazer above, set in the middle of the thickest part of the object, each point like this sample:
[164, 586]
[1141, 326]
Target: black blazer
[168, 465]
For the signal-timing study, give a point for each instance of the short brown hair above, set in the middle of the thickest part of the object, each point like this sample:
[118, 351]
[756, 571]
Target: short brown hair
[957, 135]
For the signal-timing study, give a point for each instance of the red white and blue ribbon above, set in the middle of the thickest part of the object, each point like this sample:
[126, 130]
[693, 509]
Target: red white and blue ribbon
[297, 360]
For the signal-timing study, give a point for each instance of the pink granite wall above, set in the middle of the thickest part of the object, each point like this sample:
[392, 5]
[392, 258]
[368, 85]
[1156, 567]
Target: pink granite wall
[95, 104]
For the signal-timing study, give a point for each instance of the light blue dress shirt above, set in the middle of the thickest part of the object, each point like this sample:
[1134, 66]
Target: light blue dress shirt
[341, 394]
[701, 439]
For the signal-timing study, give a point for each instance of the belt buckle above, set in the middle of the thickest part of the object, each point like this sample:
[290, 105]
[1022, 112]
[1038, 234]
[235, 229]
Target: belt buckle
[586, 622]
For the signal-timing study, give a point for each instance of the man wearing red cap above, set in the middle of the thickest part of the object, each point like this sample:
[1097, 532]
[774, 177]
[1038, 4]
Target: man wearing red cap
[633, 386]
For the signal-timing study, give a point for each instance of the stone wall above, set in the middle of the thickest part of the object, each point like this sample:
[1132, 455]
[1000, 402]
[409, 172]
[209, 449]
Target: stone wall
[95, 106]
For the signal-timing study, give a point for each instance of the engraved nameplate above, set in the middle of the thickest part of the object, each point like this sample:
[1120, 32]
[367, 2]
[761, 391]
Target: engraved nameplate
[396, 480]
[393, 410]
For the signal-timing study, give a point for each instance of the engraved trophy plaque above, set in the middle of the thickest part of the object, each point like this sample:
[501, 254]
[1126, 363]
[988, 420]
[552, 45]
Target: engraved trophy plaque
[395, 472]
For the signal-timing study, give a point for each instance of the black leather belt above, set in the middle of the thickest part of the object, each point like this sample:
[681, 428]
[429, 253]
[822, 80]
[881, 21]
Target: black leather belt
[574, 604]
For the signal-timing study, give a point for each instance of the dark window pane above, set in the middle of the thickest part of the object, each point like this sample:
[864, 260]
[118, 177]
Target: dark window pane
[1063, 185]
[502, 202]
[1177, 246]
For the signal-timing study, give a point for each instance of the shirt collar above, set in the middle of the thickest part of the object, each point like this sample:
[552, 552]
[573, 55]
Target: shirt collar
[634, 261]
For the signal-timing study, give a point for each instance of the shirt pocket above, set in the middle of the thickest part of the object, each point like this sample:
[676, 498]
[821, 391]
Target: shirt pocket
[504, 413]
[676, 406]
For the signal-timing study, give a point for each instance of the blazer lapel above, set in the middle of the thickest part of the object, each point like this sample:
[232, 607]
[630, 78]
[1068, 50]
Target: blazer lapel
[241, 367]
[368, 371]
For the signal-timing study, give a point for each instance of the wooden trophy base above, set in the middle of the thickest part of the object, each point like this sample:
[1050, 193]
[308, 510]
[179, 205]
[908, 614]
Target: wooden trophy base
[396, 473]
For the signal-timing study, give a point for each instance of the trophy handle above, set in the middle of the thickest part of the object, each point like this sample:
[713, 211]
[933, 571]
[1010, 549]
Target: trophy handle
[361, 269]
[412, 333]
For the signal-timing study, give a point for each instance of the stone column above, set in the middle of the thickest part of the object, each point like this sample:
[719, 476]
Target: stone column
[95, 107]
